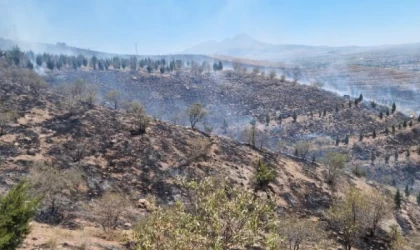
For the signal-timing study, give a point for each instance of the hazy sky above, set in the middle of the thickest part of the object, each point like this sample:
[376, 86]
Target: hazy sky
[165, 26]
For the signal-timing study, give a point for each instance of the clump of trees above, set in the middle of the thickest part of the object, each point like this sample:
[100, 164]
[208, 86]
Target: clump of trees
[217, 66]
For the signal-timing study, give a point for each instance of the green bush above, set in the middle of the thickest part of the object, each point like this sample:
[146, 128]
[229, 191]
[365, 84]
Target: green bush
[264, 175]
[16, 212]
[217, 216]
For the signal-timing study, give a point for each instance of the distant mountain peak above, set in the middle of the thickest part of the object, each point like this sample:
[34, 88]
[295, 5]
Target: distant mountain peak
[242, 36]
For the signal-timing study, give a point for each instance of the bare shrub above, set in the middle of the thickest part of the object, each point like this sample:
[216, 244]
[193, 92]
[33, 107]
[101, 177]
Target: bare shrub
[6, 118]
[141, 120]
[108, 209]
[334, 162]
[199, 148]
[51, 182]
[272, 74]
[78, 148]
[380, 209]
[299, 232]
[77, 88]
[302, 149]
[350, 216]
[90, 96]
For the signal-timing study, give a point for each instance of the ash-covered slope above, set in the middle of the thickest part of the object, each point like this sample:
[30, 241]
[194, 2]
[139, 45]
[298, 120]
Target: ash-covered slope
[142, 165]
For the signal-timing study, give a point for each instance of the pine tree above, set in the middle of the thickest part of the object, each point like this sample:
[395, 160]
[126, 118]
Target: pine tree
[374, 134]
[387, 157]
[16, 212]
[387, 112]
[393, 129]
[361, 137]
[30, 65]
[407, 191]
[346, 140]
[360, 97]
[404, 123]
[373, 157]
[373, 104]
[418, 199]
[396, 156]
[394, 108]
[398, 199]
[50, 64]
[381, 115]
[39, 60]
[294, 116]
[410, 124]
[337, 141]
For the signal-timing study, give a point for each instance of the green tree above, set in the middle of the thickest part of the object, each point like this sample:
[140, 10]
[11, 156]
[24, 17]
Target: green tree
[294, 116]
[394, 108]
[93, 62]
[17, 210]
[50, 64]
[418, 199]
[39, 60]
[30, 65]
[114, 97]
[373, 157]
[264, 175]
[334, 162]
[407, 191]
[398, 199]
[387, 157]
[374, 134]
[196, 113]
[15, 55]
[373, 104]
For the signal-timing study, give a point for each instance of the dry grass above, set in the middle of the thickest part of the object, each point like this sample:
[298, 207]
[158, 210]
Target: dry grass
[55, 238]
